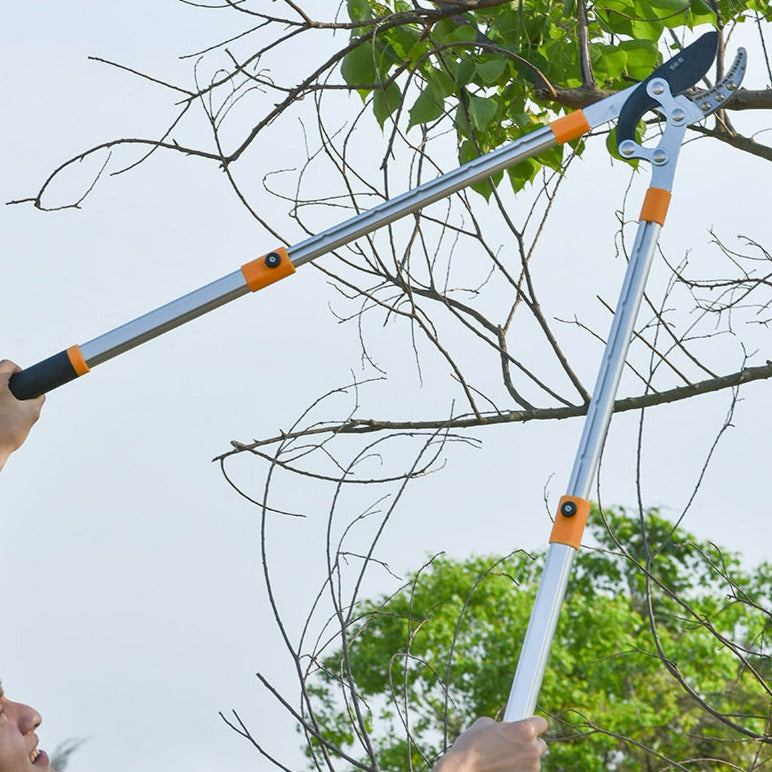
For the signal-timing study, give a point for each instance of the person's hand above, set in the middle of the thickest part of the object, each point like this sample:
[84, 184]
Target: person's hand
[16, 416]
[491, 746]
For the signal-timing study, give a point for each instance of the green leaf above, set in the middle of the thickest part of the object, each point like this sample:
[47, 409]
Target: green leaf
[464, 72]
[700, 12]
[553, 158]
[535, 26]
[428, 107]
[646, 24]
[482, 110]
[521, 174]
[403, 40]
[642, 56]
[505, 27]
[610, 63]
[562, 62]
[492, 70]
[386, 101]
[358, 67]
[461, 121]
[463, 33]
[467, 152]
[671, 6]
[442, 84]
[616, 14]
[359, 10]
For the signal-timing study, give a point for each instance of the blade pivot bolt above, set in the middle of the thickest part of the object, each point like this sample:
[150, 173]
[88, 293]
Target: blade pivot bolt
[272, 260]
[568, 509]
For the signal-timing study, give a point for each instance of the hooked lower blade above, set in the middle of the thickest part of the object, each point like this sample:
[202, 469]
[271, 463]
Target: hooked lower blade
[681, 72]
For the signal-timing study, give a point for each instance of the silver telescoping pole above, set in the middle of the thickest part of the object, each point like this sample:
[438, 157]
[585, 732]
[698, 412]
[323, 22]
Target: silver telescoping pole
[234, 285]
[269, 268]
[574, 507]
[560, 557]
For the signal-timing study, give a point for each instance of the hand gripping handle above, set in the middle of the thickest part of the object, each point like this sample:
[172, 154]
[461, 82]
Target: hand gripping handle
[48, 374]
[68, 365]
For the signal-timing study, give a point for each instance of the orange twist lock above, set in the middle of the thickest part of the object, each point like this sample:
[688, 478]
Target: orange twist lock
[570, 521]
[267, 269]
[77, 361]
[655, 205]
[570, 126]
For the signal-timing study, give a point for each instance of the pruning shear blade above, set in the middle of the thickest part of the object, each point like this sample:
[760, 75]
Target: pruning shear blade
[681, 72]
[715, 98]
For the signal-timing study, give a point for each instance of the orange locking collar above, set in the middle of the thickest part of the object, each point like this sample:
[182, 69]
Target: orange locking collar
[267, 269]
[570, 521]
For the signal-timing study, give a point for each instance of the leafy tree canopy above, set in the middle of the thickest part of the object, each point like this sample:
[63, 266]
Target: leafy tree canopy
[661, 656]
[497, 70]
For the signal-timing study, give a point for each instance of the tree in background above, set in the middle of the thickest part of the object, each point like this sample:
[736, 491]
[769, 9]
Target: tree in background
[661, 657]
[499, 70]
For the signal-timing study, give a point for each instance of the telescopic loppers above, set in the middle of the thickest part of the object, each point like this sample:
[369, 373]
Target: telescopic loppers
[670, 92]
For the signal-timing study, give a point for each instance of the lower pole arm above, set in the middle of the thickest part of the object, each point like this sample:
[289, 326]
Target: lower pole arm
[574, 508]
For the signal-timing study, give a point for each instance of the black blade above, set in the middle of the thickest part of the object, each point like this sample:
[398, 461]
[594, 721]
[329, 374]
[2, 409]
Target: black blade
[684, 70]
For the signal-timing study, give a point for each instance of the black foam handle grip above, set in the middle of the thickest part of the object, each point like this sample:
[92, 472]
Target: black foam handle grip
[42, 377]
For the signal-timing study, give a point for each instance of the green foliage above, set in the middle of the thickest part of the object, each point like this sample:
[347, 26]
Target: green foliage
[442, 651]
[488, 70]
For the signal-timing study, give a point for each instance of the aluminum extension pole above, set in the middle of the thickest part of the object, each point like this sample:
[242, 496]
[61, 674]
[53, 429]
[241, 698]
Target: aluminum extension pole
[78, 360]
[574, 507]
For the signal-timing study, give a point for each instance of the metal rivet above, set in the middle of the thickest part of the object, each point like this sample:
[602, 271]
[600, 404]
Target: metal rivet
[658, 87]
[568, 509]
[659, 157]
[731, 86]
[627, 147]
[272, 260]
[678, 115]
[719, 97]
[705, 107]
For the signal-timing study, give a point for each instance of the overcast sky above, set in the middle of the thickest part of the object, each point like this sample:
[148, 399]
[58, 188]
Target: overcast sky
[133, 607]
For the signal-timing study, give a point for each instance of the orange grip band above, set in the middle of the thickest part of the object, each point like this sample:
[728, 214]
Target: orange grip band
[267, 269]
[569, 529]
[77, 361]
[655, 205]
[570, 126]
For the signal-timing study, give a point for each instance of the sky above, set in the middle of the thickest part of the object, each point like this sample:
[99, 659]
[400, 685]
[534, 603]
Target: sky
[134, 608]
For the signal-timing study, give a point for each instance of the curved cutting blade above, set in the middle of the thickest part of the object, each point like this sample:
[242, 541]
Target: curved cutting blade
[683, 71]
[715, 98]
